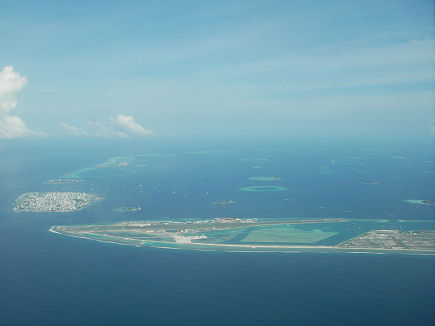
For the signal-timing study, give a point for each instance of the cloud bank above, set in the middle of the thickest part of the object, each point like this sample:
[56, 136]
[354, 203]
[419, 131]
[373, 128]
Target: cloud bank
[121, 126]
[127, 122]
[12, 126]
[11, 84]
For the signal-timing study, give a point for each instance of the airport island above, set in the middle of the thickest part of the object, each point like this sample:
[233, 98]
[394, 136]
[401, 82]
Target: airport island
[54, 201]
[324, 235]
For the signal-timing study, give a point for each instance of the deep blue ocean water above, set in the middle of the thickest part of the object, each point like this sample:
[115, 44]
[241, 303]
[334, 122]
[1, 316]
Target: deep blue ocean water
[50, 279]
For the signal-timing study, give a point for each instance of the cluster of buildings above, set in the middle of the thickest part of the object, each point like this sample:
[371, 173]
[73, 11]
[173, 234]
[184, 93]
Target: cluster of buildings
[54, 201]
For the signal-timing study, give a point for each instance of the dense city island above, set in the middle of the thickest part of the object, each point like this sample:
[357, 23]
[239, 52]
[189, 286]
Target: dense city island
[54, 201]
[287, 235]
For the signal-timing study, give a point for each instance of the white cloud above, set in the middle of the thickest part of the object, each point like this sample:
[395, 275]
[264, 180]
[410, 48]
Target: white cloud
[127, 122]
[11, 83]
[73, 131]
[104, 130]
[122, 126]
[432, 127]
[11, 126]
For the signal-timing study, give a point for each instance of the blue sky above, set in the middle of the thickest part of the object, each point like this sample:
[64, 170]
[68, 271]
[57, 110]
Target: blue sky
[290, 68]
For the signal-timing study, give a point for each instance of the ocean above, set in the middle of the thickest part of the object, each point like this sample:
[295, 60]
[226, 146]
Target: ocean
[51, 279]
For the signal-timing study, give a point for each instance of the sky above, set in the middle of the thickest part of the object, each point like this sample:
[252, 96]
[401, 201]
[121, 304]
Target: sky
[169, 68]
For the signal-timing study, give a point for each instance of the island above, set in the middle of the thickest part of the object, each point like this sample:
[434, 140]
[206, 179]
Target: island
[127, 209]
[224, 202]
[393, 239]
[263, 188]
[323, 235]
[420, 201]
[114, 165]
[62, 180]
[118, 161]
[54, 201]
[264, 178]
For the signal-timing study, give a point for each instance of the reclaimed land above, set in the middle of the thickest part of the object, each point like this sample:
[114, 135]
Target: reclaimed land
[236, 234]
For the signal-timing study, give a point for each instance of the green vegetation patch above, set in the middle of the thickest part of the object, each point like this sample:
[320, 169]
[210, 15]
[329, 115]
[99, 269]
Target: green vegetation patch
[287, 234]
[221, 236]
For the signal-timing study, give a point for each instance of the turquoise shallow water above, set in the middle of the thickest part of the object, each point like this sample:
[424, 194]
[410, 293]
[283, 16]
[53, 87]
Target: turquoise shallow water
[49, 279]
